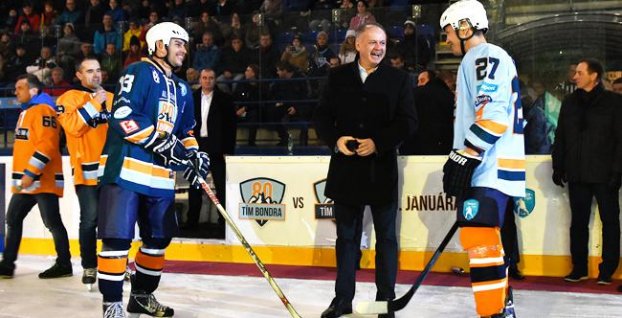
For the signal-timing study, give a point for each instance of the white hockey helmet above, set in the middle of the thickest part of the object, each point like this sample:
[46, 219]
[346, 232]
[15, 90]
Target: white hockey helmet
[164, 31]
[470, 10]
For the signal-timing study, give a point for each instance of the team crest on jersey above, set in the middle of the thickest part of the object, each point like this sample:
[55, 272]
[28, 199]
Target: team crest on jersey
[524, 206]
[156, 76]
[470, 209]
[324, 207]
[262, 199]
[183, 89]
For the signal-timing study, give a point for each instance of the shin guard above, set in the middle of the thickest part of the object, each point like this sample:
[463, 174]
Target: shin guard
[488, 272]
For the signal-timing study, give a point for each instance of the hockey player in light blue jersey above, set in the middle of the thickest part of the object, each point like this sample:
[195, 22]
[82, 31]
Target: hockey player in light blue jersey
[487, 166]
[149, 136]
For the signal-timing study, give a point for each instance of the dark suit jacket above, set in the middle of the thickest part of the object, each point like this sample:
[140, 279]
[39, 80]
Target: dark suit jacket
[381, 109]
[221, 126]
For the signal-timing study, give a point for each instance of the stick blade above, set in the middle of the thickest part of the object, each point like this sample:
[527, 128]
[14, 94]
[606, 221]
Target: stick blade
[372, 307]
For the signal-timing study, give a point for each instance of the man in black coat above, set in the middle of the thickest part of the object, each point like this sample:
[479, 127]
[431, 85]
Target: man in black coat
[215, 132]
[365, 112]
[587, 154]
[435, 111]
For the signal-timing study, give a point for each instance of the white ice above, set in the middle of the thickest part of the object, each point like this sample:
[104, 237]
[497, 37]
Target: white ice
[240, 297]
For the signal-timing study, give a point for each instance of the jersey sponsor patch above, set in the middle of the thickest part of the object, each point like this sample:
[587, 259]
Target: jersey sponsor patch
[470, 209]
[122, 112]
[129, 126]
[21, 134]
[482, 100]
[488, 87]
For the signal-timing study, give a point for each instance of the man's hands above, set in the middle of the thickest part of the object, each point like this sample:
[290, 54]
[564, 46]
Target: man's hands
[200, 162]
[365, 148]
[100, 118]
[559, 178]
[458, 172]
[171, 149]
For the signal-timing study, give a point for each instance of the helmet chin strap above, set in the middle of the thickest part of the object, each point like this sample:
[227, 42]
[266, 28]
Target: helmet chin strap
[463, 40]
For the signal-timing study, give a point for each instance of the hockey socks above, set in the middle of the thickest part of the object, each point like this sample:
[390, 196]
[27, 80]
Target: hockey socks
[488, 273]
[149, 264]
[111, 271]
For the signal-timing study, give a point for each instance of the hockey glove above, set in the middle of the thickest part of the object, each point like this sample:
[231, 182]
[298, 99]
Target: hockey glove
[99, 118]
[559, 178]
[200, 163]
[458, 172]
[171, 149]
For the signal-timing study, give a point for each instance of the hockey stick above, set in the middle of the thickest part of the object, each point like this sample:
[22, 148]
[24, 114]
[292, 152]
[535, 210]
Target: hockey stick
[383, 307]
[249, 249]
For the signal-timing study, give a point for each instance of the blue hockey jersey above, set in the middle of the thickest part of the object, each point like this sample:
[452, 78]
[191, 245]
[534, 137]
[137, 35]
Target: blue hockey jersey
[489, 118]
[146, 103]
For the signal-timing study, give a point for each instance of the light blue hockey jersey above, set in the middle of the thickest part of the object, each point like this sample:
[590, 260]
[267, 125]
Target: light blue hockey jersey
[146, 103]
[489, 118]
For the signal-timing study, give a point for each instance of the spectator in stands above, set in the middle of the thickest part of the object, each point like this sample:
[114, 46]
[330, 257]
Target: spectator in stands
[434, 104]
[178, 12]
[550, 105]
[287, 92]
[116, 11]
[208, 24]
[424, 77]
[266, 56]
[234, 28]
[416, 50]
[154, 18]
[27, 38]
[397, 61]
[568, 85]
[3, 78]
[449, 78]
[207, 54]
[86, 50]
[215, 133]
[234, 59]
[43, 65]
[10, 21]
[587, 152]
[134, 54]
[110, 61]
[346, 5]
[68, 49]
[134, 30]
[248, 94]
[17, 63]
[362, 16]
[535, 131]
[71, 14]
[58, 85]
[192, 77]
[94, 13]
[106, 34]
[222, 8]
[617, 85]
[253, 30]
[334, 62]
[272, 9]
[7, 48]
[347, 50]
[323, 4]
[320, 55]
[296, 54]
[28, 15]
[49, 17]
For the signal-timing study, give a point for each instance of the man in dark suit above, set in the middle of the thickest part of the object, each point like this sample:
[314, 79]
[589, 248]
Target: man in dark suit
[365, 112]
[215, 132]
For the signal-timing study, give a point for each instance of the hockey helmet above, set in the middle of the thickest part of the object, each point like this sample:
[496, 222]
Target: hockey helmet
[471, 11]
[164, 31]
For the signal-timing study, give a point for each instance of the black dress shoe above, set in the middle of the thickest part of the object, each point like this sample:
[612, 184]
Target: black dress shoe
[337, 308]
[387, 315]
[514, 273]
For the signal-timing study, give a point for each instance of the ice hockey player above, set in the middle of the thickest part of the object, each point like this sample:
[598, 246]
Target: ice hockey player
[149, 136]
[487, 166]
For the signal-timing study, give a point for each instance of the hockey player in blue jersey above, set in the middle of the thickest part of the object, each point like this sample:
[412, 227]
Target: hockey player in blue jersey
[149, 136]
[487, 166]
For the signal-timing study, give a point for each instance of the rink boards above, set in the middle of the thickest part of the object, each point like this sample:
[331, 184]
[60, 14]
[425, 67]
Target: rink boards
[279, 205]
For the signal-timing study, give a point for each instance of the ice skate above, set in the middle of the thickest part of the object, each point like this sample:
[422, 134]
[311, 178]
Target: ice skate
[114, 310]
[89, 277]
[128, 274]
[143, 303]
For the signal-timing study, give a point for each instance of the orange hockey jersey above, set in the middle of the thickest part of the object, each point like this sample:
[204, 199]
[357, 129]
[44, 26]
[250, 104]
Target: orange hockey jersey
[36, 150]
[76, 110]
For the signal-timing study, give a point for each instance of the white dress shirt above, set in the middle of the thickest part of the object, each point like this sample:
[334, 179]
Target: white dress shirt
[206, 102]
